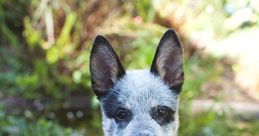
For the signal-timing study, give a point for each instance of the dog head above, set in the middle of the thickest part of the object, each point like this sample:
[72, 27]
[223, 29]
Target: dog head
[140, 102]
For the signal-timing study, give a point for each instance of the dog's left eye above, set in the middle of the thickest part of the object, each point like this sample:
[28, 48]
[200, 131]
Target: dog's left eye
[162, 112]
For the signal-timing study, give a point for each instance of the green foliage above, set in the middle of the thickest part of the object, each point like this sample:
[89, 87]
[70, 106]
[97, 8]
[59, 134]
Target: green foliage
[215, 124]
[31, 35]
[45, 69]
[198, 70]
[63, 45]
[210, 123]
[8, 27]
[222, 17]
[16, 126]
[143, 48]
[146, 10]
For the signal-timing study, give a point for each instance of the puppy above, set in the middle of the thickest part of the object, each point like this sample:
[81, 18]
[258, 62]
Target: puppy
[138, 102]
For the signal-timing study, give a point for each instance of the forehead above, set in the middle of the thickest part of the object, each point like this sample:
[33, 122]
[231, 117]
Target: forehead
[142, 90]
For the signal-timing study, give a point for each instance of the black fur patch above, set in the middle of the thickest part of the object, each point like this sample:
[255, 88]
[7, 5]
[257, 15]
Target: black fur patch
[111, 105]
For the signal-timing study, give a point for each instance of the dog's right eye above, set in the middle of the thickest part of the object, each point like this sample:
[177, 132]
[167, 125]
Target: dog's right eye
[122, 114]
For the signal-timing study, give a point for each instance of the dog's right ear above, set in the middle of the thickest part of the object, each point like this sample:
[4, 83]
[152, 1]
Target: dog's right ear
[105, 66]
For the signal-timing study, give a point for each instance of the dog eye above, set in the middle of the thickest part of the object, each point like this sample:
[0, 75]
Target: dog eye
[162, 112]
[122, 114]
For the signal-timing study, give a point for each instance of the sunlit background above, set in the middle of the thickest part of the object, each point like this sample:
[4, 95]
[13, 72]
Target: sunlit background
[44, 62]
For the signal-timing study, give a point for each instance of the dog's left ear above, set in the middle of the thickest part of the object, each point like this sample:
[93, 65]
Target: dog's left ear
[168, 61]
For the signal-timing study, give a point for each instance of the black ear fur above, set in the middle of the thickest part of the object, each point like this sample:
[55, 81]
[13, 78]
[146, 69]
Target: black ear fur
[168, 61]
[105, 66]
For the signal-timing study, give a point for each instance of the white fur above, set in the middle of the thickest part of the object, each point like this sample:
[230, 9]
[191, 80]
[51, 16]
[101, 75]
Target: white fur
[141, 90]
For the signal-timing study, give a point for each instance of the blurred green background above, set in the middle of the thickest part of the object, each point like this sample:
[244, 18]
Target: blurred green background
[44, 62]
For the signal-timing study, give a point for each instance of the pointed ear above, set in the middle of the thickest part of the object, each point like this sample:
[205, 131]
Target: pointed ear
[168, 61]
[105, 66]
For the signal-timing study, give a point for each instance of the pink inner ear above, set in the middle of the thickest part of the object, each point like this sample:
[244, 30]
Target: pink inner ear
[172, 69]
[104, 71]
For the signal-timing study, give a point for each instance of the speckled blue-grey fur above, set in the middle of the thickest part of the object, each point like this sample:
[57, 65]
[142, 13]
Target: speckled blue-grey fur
[139, 92]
